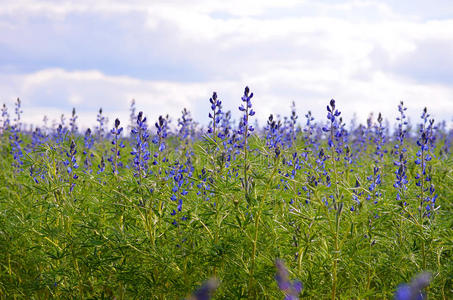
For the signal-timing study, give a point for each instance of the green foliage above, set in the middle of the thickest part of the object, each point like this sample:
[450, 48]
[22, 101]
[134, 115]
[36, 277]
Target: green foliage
[111, 237]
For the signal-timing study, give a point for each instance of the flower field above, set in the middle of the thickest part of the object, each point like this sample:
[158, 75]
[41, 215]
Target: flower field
[152, 209]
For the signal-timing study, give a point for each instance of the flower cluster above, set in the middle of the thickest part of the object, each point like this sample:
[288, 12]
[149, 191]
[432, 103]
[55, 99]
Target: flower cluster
[16, 147]
[114, 159]
[184, 124]
[100, 130]
[132, 115]
[73, 121]
[206, 290]
[423, 177]
[376, 178]
[159, 138]
[60, 134]
[5, 119]
[332, 115]
[309, 129]
[18, 111]
[87, 153]
[225, 127]
[71, 164]
[140, 151]
[244, 128]
[179, 189]
[290, 126]
[273, 135]
[215, 114]
[292, 289]
[400, 153]
[15, 139]
[37, 139]
[355, 195]
[413, 290]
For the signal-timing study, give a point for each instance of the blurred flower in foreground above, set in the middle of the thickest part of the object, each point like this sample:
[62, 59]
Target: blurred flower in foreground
[413, 290]
[206, 290]
[291, 289]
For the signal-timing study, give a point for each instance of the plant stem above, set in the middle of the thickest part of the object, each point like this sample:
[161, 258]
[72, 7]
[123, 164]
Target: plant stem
[257, 223]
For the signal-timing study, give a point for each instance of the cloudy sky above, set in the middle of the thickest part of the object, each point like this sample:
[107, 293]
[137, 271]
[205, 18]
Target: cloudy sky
[368, 55]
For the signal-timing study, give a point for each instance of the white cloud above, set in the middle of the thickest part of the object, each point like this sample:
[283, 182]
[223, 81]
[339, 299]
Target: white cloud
[89, 90]
[358, 52]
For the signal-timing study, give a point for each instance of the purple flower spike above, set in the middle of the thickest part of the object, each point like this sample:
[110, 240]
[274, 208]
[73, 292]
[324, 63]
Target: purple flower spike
[413, 291]
[292, 289]
[206, 290]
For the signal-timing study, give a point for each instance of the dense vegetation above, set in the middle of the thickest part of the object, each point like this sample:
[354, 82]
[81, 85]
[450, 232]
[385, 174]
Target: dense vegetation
[153, 212]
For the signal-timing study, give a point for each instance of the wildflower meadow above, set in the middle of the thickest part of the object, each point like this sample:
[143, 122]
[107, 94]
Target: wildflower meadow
[298, 208]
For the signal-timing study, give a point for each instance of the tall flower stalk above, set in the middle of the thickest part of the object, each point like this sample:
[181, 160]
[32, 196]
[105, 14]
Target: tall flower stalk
[88, 141]
[400, 152]
[100, 130]
[117, 144]
[71, 165]
[335, 133]
[244, 130]
[309, 131]
[132, 115]
[159, 139]
[185, 127]
[376, 178]
[15, 138]
[73, 122]
[140, 151]
[423, 176]
[215, 115]
[291, 133]
[5, 119]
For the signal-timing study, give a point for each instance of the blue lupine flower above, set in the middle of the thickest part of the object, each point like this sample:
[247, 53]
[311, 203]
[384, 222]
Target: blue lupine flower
[117, 144]
[18, 111]
[206, 290]
[73, 122]
[15, 139]
[101, 165]
[273, 135]
[180, 174]
[309, 129]
[60, 135]
[37, 139]
[159, 138]
[5, 119]
[414, 290]
[335, 129]
[244, 131]
[422, 157]
[37, 173]
[88, 144]
[215, 114]
[375, 179]
[336, 138]
[140, 151]
[16, 148]
[292, 289]
[132, 116]
[225, 127]
[400, 152]
[244, 128]
[100, 130]
[290, 126]
[379, 140]
[185, 126]
[71, 165]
